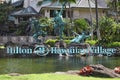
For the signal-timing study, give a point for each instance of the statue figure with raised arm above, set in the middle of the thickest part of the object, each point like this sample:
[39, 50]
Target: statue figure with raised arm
[37, 30]
[58, 21]
[80, 38]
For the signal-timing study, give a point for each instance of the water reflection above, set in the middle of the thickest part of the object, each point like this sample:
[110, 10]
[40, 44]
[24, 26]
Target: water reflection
[53, 64]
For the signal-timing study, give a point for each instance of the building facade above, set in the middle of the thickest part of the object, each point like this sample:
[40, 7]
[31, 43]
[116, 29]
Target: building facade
[80, 9]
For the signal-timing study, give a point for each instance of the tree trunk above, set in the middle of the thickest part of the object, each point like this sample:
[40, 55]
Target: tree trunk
[100, 69]
[67, 17]
[70, 17]
[91, 19]
[97, 26]
[116, 10]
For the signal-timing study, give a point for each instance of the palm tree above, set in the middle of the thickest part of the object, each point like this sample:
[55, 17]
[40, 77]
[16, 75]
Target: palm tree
[97, 26]
[69, 2]
[91, 19]
[70, 11]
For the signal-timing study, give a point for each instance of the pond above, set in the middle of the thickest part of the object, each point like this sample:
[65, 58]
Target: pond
[52, 64]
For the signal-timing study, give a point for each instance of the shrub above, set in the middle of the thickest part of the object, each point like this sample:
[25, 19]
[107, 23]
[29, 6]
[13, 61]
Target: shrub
[80, 25]
[5, 10]
[91, 42]
[51, 42]
[107, 29]
[49, 25]
[116, 37]
[22, 28]
[114, 44]
[67, 41]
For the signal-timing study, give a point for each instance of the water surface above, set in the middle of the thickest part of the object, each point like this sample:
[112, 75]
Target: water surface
[52, 64]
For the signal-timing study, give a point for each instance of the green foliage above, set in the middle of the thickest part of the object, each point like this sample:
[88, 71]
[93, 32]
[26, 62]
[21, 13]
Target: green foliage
[21, 28]
[47, 22]
[111, 44]
[5, 10]
[91, 42]
[51, 42]
[65, 37]
[116, 37]
[108, 29]
[68, 38]
[114, 44]
[67, 27]
[67, 41]
[80, 25]
[114, 5]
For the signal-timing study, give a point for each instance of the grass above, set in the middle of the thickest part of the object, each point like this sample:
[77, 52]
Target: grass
[51, 76]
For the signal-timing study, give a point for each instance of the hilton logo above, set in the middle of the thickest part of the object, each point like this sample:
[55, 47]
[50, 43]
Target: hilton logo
[41, 50]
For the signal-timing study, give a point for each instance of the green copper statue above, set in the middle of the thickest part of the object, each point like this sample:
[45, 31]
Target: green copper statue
[58, 21]
[37, 30]
[80, 38]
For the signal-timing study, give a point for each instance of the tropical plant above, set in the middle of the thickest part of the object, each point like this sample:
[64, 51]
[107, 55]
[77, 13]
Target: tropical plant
[114, 44]
[107, 29]
[114, 7]
[91, 19]
[81, 25]
[97, 26]
[5, 10]
[62, 1]
[91, 42]
[116, 37]
[51, 42]
[22, 28]
[48, 23]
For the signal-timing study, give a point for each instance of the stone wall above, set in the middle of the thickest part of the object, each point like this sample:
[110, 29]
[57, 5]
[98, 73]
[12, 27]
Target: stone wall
[21, 39]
